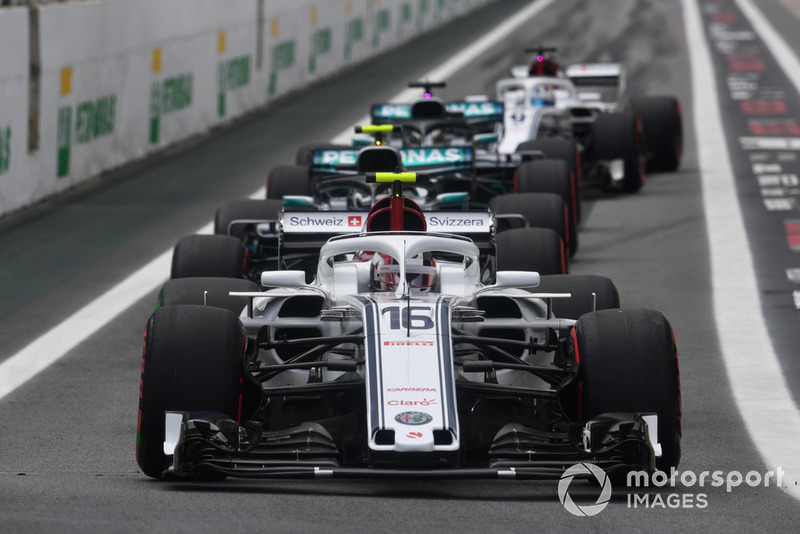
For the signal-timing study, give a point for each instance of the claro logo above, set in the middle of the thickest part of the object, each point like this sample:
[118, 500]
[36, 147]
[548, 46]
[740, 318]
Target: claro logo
[423, 402]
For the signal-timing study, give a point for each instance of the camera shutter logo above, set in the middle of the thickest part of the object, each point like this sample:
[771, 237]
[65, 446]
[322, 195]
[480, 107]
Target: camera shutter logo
[589, 509]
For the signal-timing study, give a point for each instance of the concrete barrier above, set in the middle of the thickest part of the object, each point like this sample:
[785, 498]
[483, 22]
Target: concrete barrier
[120, 80]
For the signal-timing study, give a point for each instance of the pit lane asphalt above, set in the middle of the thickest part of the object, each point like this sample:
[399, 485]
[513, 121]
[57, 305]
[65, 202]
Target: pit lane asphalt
[66, 445]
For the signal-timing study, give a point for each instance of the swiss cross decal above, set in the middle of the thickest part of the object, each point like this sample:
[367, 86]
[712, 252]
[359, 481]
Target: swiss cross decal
[354, 220]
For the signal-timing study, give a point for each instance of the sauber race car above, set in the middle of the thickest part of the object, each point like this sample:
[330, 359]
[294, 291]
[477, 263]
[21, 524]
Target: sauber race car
[585, 107]
[399, 361]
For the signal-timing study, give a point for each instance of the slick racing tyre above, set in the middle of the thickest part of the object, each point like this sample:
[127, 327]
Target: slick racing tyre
[288, 180]
[246, 211]
[208, 255]
[627, 362]
[565, 150]
[619, 136]
[192, 361]
[206, 291]
[303, 154]
[551, 176]
[531, 249]
[540, 210]
[663, 131]
[589, 293]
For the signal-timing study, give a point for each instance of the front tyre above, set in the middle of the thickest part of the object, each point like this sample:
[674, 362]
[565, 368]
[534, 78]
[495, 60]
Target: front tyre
[619, 136]
[531, 249]
[663, 131]
[628, 362]
[192, 361]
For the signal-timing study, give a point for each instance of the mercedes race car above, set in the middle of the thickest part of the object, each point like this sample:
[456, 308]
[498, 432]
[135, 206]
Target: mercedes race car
[399, 360]
[252, 236]
[286, 232]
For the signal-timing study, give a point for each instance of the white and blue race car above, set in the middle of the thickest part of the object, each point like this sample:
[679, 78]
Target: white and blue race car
[400, 360]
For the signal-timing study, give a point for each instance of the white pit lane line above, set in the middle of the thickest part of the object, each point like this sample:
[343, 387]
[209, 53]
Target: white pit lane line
[57, 342]
[759, 388]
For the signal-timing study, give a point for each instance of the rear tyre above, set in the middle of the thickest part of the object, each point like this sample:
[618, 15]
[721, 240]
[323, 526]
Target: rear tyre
[208, 255]
[551, 176]
[192, 362]
[531, 249]
[565, 150]
[589, 293]
[540, 210]
[619, 136]
[663, 131]
[244, 210]
[205, 291]
[628, 362]
[288, 180]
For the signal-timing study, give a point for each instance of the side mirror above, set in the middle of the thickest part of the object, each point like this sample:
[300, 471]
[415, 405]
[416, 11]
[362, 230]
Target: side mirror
[484, 138]
[359, 141]
[283, 278]
[298, 201]
[516, 279]
[452, 199]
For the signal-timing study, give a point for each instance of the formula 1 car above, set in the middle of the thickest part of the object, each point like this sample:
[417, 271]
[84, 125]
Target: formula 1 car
[460, 175]
[585, 107]
[398, 361]
[255, 235]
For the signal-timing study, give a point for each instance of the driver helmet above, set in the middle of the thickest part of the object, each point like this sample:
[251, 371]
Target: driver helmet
[420, 272]
[542, 96]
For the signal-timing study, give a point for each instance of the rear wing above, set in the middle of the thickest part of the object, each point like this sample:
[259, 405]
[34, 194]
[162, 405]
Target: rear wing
[596, 74]
[428, 159]
[468, 110]
[474, 112]
[304, 232]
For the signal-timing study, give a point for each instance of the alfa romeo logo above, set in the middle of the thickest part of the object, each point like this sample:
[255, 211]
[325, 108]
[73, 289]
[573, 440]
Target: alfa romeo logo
[413, 418]
[589, 509]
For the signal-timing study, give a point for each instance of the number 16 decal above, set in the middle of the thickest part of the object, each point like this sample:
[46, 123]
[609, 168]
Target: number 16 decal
[408, 317]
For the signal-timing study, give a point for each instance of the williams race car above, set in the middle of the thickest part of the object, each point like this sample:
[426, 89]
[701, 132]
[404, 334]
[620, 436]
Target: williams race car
[586, 107]
[398, 361]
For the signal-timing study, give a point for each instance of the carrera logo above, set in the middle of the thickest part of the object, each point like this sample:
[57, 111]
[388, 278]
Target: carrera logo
[408, 343]
[452, 221]
[416, 390]
[317, 221]
[423, 402]
[354, 220]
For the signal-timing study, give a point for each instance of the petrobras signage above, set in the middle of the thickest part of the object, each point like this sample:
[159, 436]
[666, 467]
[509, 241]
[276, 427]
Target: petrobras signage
[470, 110]
[391, 111]
[331, 158]
[436, 156]
[454, 157]
[329, 222]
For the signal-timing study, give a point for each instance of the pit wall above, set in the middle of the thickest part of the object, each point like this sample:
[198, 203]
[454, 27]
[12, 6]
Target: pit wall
[89, 86]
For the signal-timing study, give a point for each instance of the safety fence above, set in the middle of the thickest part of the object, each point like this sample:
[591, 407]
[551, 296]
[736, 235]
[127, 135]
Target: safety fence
[88, 86]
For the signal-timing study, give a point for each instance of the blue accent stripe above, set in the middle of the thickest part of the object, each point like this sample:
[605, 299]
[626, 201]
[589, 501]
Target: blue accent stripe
[450, 412]
[374, 377]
